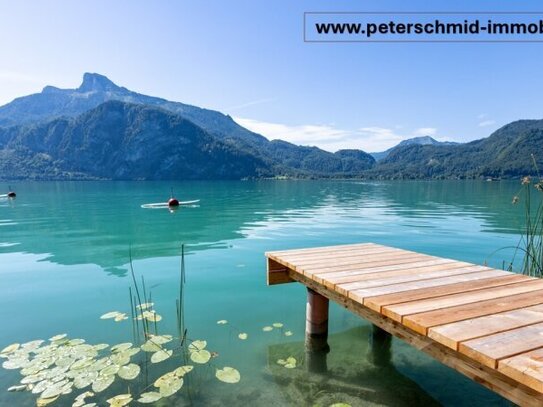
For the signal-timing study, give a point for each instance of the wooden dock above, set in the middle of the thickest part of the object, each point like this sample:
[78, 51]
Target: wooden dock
[485, 323]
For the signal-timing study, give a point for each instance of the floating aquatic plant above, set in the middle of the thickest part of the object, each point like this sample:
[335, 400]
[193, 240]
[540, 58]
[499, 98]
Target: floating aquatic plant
[55, 368]
[198, 353]
[149, 397]
[228, 375]
[277, 325]
[267, 328]
[222, 322]
[111, 315]
[288, 333]
[120, 400]
[289, 363]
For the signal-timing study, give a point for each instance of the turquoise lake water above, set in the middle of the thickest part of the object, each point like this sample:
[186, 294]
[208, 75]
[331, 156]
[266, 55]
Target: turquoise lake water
[64, 253]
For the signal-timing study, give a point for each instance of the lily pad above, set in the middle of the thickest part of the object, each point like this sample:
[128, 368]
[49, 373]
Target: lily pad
[129, 372]
[82, 364]
[120, 359]
[183, 370]
[160, 339]
[58, 337]
[101, 346]
[110, 315]
[150, 346]
[121, 347]
[200, 356]
[340, 405]
[102, 382]
[243, 336]
[131, 352]
[80, 400]
[162, 380]
[110, 370]
[17, 388]
[277, 325]
[120, 400]
[161, 355]
[222, 322]
[197, 345]
[291, 363]
[288, 333]
[54, 390]
[42, 402]
[32, 345]
[145, 306]
[120, 317]
[85, 379]
[171, 386]
[152, 317]
[149, 397]
[267, 328]
[228, 375]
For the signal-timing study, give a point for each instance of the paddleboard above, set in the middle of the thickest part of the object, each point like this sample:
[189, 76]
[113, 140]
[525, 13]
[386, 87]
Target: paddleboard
[165, 204]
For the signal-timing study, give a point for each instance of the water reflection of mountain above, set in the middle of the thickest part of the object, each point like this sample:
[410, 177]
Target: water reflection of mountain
[489, 202]
[96, 222]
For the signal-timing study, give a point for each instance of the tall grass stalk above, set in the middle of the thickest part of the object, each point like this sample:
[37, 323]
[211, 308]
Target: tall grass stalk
[531, 241]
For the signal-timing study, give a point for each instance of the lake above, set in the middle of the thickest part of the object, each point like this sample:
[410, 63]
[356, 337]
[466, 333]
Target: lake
[64, 262]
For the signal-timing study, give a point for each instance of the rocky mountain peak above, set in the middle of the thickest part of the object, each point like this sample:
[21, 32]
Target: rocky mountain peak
[96, 82]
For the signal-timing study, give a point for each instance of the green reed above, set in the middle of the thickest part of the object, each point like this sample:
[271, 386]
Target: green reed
[530, 245]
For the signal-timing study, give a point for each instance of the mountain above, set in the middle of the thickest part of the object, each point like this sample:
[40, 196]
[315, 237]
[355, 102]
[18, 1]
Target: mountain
[104, 131]
[506, 153]
[423, 141]
[96, 89]
[122, 141]
[31, 126]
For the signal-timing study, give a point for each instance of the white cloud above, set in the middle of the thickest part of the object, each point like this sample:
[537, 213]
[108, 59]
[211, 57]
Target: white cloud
[331, 138]
[486, 123]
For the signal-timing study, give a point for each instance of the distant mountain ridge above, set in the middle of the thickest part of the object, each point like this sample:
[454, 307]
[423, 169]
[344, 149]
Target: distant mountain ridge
[76, 111]
[422, 140]
[104, 131]
[507, 153]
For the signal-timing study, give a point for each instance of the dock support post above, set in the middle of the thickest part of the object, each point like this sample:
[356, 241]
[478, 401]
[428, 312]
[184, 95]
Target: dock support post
[380, 342]
[316, 332]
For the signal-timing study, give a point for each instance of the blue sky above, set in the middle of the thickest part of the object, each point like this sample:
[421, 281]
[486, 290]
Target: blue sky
[247, 58]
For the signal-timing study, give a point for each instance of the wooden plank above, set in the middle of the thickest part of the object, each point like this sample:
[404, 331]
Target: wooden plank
[452, 334]
[377, 302]
[361, 254]
[353, 289]
[526, 368]
[511, 389]
[277, 273]
[323, 249]
[324, 258]
[369, 261]
[488, 350]
[457, 304]
[397, 312]
[349, 271]
[359, 251]
[421, 322]
[432, 282]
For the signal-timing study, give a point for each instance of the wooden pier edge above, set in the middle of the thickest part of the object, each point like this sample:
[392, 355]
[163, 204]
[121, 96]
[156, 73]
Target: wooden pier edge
[494, 380]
